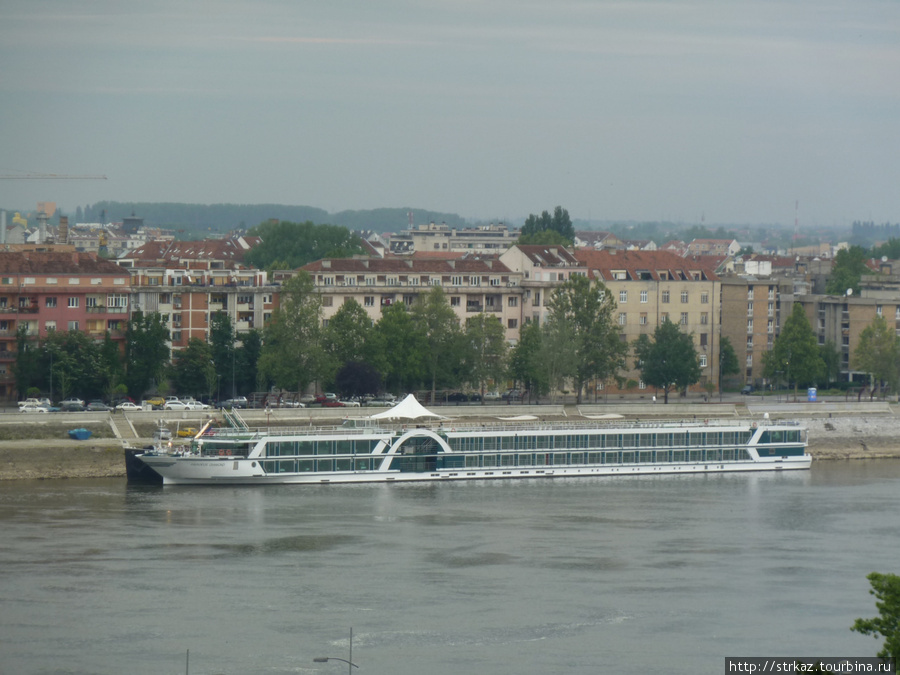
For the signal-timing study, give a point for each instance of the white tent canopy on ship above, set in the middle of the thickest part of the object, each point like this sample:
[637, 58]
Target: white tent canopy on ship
[407, 409]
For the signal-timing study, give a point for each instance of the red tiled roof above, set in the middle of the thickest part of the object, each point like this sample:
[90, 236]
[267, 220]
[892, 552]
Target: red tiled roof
[642, 264]
[57, 262]
[547, 255]
[179, 251]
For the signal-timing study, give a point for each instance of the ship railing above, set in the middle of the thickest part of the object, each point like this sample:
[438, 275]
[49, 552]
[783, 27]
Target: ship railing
[607, 425]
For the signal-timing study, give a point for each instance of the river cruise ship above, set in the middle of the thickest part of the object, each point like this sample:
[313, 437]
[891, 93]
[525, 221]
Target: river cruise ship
[361, 451]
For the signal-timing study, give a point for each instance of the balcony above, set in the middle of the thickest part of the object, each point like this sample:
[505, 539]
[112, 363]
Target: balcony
[107, 310]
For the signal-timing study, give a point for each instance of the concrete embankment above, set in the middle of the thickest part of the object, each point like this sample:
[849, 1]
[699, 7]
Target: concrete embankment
[41, 449]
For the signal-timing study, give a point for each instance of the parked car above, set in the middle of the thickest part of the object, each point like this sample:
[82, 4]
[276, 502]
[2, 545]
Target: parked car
[351, 404]
[329, 403]
[72, 400]
[492, 396]
[175, 405]
[156, 401]
[191, 404]
[236, 402]
[128, 406]
[33, 408]
[308, 398]
[98, 406]
[187, 432]
[30, 401]
[512, 395]
[748, 389]
[71, 406]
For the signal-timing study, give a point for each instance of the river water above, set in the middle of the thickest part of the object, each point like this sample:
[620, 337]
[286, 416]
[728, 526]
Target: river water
[666, 574]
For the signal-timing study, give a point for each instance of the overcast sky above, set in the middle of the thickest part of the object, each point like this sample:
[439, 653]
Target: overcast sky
[732, 111]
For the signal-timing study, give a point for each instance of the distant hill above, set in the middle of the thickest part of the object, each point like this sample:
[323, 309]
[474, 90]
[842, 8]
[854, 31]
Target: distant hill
[197, 220]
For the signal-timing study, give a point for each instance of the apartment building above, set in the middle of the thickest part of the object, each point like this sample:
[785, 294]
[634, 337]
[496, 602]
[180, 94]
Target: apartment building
[652, 286]
[486, 239]
[472, 285]
[753, 310]
[542, 270]
[58, 288]
[189, 282]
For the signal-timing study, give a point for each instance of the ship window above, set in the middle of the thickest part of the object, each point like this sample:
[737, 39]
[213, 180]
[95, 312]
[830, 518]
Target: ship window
[628, 458]
[507, 460]
[305, 465]
[540, 459]
[489, 460]
[471, 461]
[343, 464]
[728, 455]
[325, 448]
[491, 443]
[594, 457]
[696, 455]
[678, 455]
[577, 458]
[509, 442]
[629, 440]
[645, 456]
[287, 466]
[325, 465]
[362, 465]
[679, 439]
[647, 441]
[559, 458]
[344, 447]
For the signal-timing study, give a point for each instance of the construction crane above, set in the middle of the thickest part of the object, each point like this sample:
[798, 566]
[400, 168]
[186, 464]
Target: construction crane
[27, 175]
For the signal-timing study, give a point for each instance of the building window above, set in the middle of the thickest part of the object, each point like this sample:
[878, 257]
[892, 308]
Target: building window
[684, 297]
[749, 325]
[50, 301]
[512, 301]
[392, 281]
[52, 281]
[369, 301]
[704, 298]
[456, 281]
[750, 293]
[879, 310]
[665, 297]
[454, 301]
[684, 319]
[73, 325]
[49, 325]
[663, 317]
[327, 301]
[474, 281]
[644, 298]
[703, 360]
[537, 300]
[622, 318]
[749, 360]
[512, 323]
[749, 342]
[642, 384]
[704, 318]
[749, 308]
[643, 318]
[703, 339]
[623, 296]
[73, 303]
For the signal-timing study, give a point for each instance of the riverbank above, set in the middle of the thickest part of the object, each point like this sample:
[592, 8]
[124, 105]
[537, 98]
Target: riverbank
[840, 437]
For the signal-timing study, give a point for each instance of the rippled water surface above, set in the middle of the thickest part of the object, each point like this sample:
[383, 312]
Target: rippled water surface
[624, 575]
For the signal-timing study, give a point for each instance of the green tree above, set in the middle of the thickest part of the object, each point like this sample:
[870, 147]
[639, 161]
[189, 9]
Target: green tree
[890, 249]
[886, 589]
[795, 353]
[356, 378]
[558, 356]
[438, 325]
[667, 361]
[193, 370]
[247, 358]
[223, 352]
[28, 360]
[398, 349]
[292, 355]
[111, 368]
[287, 245]
[525, 363]
[559, 222]
[877, 353]
[347, 335]
[147, 351]
[584, 309]
[485, 350]
[544, 238]
[728, 361]
[73, 359]
[849, 266]
[831, 360]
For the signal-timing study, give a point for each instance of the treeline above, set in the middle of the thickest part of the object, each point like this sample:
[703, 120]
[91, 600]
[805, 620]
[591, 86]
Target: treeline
[199, 220]
[867, 232]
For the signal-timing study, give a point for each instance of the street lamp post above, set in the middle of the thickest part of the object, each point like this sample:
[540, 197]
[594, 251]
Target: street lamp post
[349, 662]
